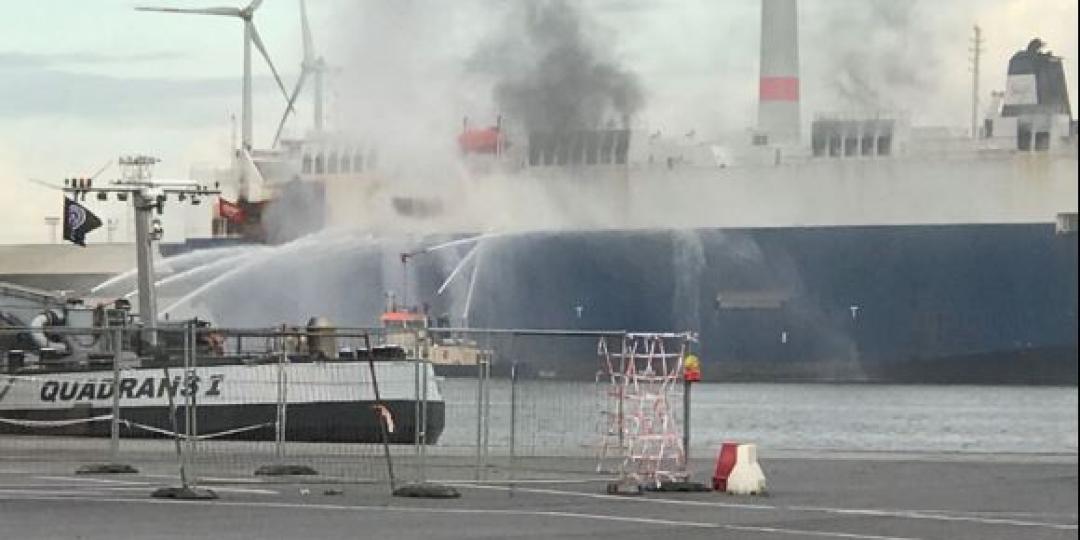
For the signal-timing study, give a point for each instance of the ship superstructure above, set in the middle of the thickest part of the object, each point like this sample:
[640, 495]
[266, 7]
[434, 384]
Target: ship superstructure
[866, 248]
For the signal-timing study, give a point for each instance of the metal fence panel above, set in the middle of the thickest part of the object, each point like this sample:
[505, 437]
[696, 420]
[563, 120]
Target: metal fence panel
[220, 403]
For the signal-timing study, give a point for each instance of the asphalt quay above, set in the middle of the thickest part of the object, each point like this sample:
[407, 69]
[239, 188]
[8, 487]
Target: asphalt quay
[824, 496]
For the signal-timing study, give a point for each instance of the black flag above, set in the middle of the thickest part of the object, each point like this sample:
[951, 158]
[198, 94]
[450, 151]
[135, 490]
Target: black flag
[78, 221]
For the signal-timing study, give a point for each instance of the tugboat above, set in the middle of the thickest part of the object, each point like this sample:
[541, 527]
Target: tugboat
[450, 355]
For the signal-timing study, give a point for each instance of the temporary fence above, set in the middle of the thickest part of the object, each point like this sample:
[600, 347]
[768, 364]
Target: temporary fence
[211, 403]
[362, 405]
[523, 408]
[63, 409]
[543, 404]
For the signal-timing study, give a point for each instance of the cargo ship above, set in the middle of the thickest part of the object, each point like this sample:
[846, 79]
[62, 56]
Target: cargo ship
[869, 249]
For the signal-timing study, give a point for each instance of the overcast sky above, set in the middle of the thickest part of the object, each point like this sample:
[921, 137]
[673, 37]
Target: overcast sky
[83, 82]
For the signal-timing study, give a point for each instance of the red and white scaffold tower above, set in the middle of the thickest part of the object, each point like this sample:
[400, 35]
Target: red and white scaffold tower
[638, 385]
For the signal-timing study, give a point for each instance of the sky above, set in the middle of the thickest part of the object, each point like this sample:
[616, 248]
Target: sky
[84, 82]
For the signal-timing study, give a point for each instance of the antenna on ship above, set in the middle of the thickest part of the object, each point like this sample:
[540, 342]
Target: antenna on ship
[311, 65]
[251, 36]
[976, 50]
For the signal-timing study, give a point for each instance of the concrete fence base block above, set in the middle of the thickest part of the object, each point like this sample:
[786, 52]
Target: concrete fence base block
[427, 491]
[184, 493]
[106, 468]
[685, 486]
[285, 470]
[624, 488]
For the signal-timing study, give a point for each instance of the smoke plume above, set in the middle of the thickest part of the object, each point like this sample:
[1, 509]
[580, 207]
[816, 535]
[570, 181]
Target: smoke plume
[879, 55]
[551, 73]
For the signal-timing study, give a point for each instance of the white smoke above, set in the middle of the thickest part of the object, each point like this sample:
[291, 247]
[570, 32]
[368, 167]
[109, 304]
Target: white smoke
[880, 55]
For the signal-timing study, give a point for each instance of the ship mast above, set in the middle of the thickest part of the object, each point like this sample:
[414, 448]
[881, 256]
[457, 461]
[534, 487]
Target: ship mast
[976, 50]
[136, 170]
[147, 196]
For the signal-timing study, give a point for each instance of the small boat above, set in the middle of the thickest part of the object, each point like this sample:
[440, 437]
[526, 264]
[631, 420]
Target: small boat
[57, 379]
[450, 355]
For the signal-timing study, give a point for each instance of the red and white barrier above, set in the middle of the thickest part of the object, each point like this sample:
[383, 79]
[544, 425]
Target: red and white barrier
[738, 471]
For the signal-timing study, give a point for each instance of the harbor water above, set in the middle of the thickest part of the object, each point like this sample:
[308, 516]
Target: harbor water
[557, 417]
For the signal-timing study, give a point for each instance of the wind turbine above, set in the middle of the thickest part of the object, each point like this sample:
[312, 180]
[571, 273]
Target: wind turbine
[251, 35]
[310, 65]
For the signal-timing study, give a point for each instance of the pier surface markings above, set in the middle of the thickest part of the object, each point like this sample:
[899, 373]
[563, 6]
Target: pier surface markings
[938, 515]
[562, 508]
[803, 533]
[85, 486]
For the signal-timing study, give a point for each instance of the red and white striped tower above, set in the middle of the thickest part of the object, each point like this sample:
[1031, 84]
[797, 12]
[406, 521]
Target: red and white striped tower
[778, 93]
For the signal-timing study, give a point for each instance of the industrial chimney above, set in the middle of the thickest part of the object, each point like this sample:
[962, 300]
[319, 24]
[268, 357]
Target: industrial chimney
[778, 92]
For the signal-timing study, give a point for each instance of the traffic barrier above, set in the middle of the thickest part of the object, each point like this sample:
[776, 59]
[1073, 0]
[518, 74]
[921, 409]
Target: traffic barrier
[725, 462]
[737, 470]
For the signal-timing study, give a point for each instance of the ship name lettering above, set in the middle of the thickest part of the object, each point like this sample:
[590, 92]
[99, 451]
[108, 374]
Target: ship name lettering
[215, 385]
[130, 388]
[127, 385]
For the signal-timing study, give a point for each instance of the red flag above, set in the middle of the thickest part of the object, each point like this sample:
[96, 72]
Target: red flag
[232, 212]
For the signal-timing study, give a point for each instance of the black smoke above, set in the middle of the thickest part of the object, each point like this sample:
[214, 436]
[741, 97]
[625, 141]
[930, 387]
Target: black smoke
[552, 72]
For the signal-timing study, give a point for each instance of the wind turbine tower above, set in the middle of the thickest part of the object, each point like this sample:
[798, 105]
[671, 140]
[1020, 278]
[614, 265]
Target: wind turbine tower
[311, 65]
[251, 36]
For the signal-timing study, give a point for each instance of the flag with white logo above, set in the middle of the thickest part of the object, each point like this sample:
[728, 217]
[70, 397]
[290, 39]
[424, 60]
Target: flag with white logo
[78, 221]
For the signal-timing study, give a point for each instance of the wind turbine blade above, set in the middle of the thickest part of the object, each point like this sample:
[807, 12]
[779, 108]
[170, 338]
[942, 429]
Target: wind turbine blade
[254, 5]
[226, 11]
[262, 50]
[305, 31]
[44, 183]
[102, 169]
[292, 101]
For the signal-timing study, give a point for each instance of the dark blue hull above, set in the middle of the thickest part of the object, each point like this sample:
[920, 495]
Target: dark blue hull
[956, 304]
[951, 304]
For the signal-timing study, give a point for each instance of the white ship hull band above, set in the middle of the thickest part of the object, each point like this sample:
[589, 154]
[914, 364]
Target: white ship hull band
[216, 385]
[327, 401]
